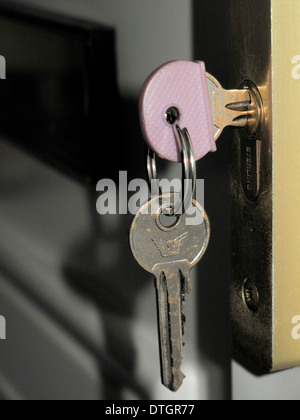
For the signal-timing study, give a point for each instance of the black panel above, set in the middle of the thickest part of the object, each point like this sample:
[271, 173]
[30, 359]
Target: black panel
[60, 90]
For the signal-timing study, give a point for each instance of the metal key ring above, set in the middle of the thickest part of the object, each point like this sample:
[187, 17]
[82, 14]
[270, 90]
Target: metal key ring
[189, 170]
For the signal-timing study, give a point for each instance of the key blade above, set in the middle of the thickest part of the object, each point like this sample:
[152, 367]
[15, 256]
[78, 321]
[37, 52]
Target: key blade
[171, 326]
[164, 333]
[229, 107]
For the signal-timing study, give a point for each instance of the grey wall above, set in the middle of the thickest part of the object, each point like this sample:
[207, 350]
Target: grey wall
[148, 32]
[81, 324]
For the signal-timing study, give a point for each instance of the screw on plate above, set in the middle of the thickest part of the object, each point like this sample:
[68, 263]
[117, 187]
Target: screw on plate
[251, 295]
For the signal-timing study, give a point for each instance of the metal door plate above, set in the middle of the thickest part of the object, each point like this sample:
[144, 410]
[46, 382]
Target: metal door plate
[265, 179]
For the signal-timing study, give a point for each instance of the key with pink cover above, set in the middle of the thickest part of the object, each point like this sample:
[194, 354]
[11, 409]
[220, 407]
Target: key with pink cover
[181, 84]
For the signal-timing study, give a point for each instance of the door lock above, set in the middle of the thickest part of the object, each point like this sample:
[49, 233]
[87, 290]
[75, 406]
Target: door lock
[265, 205]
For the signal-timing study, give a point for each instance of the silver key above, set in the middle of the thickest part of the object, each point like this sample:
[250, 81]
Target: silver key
[170, 253]
[229, 107]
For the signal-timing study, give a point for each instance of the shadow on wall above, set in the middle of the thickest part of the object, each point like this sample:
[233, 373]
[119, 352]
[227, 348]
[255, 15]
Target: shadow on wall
[101, 268]
[210, 46]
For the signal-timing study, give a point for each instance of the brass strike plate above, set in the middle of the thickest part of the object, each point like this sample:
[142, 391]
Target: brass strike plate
[265, 184]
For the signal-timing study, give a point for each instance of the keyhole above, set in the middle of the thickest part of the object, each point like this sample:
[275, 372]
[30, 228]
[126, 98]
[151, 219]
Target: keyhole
[172, 115]
[251, 295]
[167, 221]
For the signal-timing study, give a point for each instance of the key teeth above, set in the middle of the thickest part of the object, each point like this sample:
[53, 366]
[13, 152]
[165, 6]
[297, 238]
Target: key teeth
[189, 287]
[178, 378]
[184, 329]
[187, 290]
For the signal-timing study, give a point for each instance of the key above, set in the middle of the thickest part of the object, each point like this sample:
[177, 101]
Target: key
[170, 253]
[184, 91]
[229, 107]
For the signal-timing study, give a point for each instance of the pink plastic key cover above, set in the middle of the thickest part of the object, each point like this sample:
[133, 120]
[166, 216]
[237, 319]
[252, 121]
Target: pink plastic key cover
[182, 84]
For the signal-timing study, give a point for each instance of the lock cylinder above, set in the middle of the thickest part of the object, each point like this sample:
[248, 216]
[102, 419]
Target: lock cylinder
[251, 143]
